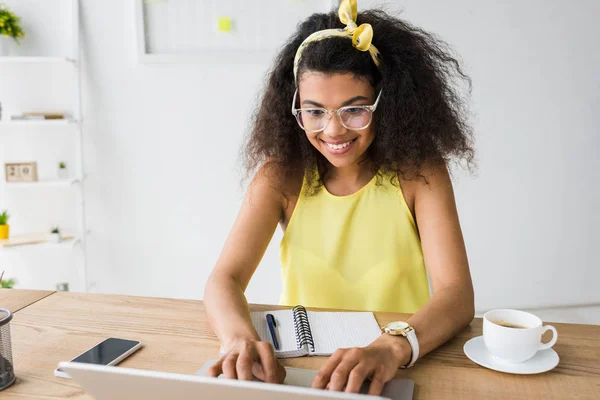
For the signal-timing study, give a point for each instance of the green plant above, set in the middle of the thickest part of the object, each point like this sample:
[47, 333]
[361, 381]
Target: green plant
[10, 24]
[8, 284]
[62, 165]
[4, 217]
[55, 230]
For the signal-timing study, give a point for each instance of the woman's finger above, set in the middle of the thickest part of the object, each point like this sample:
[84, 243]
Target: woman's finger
[357, 377]
[229, 370]
[245, 361]
[377, 382]
[270, 370]
[339, 377]
[321, 380]
[216, 369]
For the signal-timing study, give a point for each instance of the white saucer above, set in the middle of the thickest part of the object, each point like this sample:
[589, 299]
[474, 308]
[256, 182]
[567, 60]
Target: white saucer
[543, 361]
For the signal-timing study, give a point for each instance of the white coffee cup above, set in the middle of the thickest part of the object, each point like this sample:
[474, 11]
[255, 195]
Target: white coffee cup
[517, 344]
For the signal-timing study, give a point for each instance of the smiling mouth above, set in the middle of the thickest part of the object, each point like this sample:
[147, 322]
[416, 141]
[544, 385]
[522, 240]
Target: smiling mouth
[339, 148]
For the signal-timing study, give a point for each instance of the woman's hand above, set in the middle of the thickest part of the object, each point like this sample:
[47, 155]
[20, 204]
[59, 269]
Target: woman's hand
[348, 368]
[248, 358]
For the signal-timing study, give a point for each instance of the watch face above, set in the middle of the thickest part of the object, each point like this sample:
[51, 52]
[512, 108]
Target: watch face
[397, 325]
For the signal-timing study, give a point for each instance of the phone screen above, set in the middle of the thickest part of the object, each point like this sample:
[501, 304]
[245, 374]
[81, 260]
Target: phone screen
[107, 351]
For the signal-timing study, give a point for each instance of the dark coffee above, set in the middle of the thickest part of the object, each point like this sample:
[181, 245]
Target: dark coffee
[509, 325]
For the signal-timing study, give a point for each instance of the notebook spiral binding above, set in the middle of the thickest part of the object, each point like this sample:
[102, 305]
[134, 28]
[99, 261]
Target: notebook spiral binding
[302, 326]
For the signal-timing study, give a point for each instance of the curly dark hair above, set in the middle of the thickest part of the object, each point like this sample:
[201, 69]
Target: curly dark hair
[421, 117]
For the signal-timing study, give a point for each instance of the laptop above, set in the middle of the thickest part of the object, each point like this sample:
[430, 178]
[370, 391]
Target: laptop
[116, 383]
[396, 389]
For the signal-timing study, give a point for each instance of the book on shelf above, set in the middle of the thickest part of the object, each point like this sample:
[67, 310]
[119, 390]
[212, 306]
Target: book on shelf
[39, 115]
[27, 118]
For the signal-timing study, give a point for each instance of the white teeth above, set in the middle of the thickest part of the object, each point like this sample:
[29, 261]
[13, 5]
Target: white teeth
[339, 146]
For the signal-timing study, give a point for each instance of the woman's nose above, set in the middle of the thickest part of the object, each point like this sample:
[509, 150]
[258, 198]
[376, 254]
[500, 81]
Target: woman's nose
[334, 128]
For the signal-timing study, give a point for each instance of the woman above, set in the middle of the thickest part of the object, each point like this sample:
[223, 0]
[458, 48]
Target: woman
[356, 175]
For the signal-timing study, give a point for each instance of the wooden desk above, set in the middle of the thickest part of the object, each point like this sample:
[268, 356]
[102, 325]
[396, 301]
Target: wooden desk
[178, 339]
[15, 300]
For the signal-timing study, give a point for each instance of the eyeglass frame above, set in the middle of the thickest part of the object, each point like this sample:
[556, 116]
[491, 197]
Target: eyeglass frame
[371, 108]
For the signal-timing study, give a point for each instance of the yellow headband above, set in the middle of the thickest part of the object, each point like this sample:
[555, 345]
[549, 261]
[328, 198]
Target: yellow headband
[361, 35]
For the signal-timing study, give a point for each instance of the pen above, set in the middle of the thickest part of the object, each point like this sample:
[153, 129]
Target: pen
[271, 324]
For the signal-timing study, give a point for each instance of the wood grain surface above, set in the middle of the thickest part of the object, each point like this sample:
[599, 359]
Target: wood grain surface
[177, 338]
[14, 299]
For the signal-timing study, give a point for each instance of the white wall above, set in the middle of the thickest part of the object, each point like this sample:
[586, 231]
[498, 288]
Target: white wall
[530, 216]
[162, 143]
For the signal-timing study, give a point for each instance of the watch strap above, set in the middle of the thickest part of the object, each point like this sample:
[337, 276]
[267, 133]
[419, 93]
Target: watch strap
[411, 336]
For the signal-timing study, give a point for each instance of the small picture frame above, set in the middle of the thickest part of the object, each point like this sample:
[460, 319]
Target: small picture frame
[21, 172]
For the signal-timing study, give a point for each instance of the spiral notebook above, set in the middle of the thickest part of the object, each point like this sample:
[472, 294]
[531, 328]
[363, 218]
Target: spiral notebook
[316, 333]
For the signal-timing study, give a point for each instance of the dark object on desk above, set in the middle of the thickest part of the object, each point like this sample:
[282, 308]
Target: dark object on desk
[272, 325]
[396, 389]
[7, 371]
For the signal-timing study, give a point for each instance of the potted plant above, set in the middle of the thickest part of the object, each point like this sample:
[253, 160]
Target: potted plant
[54, 235]
[8, 284]
[4, 227]
[63, 172]
[10, 28]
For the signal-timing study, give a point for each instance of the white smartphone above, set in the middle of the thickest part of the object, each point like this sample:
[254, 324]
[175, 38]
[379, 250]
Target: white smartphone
[110, 351]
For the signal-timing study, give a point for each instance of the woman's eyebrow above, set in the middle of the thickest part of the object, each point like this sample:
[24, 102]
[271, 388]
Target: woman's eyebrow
[354, 99]
[346, 103]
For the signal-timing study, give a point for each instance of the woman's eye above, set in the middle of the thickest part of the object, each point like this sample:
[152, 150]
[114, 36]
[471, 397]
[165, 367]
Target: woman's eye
[315, 113]
[354, 110]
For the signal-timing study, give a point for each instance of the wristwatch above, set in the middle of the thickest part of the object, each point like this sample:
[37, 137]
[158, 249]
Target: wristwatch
[401, 328]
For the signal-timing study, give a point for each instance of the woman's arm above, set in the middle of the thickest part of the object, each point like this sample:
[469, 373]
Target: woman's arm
[450, 309]
[452, 306]
[224, 299]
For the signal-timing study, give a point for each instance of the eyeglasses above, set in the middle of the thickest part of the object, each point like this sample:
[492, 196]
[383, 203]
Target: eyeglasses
[351, 117]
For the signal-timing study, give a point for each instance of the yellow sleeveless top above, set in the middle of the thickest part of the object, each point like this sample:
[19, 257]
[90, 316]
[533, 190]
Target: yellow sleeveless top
[355, 252]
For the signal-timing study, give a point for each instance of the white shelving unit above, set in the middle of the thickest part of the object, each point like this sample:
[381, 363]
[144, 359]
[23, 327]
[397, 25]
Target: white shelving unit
[46, 183]
[41, 123]
[38, 240]
[29, 240]
[36, 60]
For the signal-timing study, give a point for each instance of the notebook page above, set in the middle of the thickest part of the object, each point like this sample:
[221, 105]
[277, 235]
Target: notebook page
[285, 331]
[338, 330]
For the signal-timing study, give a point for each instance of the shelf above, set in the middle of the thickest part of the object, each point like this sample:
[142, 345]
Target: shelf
[35, 60]
[38, 122]
[38, 240]
[64, 244]
[45, 183]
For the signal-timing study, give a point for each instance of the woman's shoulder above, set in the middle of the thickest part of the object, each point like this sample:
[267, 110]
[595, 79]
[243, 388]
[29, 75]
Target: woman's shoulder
[282, 185]
[429, 175]
[283, 180]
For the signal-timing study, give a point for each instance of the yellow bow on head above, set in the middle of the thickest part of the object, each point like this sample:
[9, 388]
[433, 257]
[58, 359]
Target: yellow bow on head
[361, 35]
